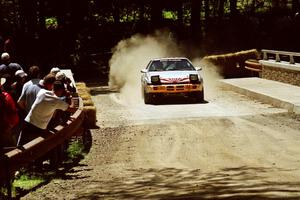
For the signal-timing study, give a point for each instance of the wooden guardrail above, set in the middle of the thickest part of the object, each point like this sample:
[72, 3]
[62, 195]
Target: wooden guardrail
[277, 54]
[253, 65]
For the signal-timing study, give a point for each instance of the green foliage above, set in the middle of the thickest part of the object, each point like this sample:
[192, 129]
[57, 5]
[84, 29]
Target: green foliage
[167, 14]
[51, 23]
[76, 149]
[27, 182]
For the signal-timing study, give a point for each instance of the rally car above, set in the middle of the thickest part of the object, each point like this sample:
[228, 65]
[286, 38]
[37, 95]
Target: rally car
[171, 76]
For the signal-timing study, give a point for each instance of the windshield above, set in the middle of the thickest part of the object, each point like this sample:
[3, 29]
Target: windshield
[171, 65]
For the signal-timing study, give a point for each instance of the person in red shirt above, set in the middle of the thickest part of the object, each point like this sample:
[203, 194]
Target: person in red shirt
[9, 118]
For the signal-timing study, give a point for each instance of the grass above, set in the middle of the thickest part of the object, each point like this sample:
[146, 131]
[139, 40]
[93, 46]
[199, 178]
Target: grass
[27, 182]
[30, 179]
[75, 150]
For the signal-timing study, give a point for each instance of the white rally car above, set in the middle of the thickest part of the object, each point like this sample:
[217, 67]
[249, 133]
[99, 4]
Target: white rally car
[166, 76]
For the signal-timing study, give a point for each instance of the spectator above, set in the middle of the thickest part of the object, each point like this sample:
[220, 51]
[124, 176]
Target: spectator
[33, 75]
[30, 91]
[28, 96]
[8, 67]
[60, 76]
[17, 86]
[54, 70]
[9, 118]
[42, 110]
[68, 83]
[8, 83]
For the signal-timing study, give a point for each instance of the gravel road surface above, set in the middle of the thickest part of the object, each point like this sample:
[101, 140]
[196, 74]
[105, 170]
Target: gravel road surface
[230, 147]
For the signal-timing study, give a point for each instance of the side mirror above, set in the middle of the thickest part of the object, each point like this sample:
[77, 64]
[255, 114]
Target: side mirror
[198, 68]
[143, 71]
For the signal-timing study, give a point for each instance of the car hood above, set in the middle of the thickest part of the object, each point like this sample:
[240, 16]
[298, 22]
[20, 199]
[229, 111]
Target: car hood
[172, 76]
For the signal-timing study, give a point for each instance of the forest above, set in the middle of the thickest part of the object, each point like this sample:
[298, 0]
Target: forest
[72, 33]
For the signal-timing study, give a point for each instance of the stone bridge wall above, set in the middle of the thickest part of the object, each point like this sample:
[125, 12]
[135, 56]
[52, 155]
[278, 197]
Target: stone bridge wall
[283, 72]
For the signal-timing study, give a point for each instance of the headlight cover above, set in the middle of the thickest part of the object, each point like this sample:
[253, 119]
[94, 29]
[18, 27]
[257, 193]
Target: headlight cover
[155, 80]
[194, 78]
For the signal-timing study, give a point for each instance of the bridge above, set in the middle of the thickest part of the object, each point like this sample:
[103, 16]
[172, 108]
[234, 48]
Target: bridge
[281, 66]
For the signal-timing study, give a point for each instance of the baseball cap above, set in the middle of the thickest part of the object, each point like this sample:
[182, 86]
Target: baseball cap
[5, 56]
[55, 70]
[20, 73]
[60, 76]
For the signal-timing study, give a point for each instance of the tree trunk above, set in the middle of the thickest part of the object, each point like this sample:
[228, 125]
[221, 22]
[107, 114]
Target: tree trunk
[233, 8]
[206, 10]
[156, 13]
[221, 9]
[296, 6]
[195, 18]
[116, 11]
[28, 12]
[180, 12]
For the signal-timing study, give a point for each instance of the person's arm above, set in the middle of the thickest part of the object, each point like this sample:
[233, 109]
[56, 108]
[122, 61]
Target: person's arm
[71, 109]
[21, 101]
[67, 107]
[21, 104]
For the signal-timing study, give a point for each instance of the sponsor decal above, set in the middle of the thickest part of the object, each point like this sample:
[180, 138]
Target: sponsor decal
[174, 80]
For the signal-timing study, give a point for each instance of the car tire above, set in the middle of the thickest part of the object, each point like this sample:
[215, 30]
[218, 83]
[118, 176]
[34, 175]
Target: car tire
[148, 98]
[199, 96]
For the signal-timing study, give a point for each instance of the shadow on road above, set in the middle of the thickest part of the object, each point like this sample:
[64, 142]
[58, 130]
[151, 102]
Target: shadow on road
[173, 100]
[169, 183]
[101, 90]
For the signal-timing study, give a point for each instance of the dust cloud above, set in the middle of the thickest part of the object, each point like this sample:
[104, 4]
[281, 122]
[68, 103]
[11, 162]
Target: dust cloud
[133, 54]
[211, 76]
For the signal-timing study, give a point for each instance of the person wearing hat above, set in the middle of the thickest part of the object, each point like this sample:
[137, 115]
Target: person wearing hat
[8, 67]
[67, 81]
[17, 86]
[9, 118]
[54, 70]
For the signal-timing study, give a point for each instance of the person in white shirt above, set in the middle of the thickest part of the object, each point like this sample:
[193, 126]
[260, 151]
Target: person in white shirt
[43, 108]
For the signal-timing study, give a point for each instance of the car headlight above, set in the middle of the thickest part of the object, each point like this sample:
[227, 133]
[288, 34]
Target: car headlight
[155, 80]
[194, 78]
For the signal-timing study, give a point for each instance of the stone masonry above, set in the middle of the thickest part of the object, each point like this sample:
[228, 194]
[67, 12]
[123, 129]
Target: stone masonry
[280, 74]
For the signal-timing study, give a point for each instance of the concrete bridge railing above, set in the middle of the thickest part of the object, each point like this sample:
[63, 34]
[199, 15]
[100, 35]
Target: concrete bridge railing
[277, 54]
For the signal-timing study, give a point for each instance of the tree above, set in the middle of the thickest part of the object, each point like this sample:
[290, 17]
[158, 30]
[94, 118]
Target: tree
[195, 18]
[233, 8]
[179, 6]
[156, 12]
[206, 12]
[221, 9]
[28, 12]
[295, 6]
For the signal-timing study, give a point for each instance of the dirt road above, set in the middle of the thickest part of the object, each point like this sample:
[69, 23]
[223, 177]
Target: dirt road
[229, 148]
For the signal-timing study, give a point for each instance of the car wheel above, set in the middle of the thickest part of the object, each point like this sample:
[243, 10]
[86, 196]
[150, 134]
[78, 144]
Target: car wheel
[148, 98]
[199, 96]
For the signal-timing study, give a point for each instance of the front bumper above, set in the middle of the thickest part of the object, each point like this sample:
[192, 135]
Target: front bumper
[174, 88]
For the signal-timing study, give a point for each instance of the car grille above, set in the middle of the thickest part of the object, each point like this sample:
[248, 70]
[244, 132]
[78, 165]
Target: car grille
[175, 88]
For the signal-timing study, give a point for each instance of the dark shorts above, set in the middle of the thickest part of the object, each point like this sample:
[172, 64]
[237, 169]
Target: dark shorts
[29, 132]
